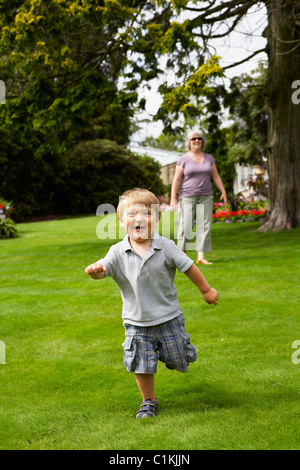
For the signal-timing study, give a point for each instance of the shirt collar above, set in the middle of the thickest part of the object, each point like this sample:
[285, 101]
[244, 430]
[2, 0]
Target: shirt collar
[156, 242]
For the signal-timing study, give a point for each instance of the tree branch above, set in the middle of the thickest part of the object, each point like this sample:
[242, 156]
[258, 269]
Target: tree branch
[232, 9]
[216, 36]
[210, 11]
[244, 60]
[207, 19]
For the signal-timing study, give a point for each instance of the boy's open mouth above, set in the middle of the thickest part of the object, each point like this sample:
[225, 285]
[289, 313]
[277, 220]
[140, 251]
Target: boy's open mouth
[139, 228]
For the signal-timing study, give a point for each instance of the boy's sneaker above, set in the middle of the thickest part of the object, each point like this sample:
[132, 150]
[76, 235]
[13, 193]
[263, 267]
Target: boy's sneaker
[147, 409]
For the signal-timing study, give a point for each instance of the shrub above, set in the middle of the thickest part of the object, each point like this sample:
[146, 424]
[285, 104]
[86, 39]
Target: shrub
[8, 229]
[93, 173]
[99, 171]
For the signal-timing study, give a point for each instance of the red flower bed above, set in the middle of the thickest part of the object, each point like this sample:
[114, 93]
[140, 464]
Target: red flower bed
[240, 215]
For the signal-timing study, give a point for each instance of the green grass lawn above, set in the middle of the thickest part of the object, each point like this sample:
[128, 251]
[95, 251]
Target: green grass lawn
[64, 385]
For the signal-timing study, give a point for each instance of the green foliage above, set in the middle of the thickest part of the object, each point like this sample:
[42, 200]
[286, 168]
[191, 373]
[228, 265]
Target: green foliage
[167, 142]
[60, 67]
[100, 171]
[217, 145]
[76, 183]
[247, 103]
[8, 228]
[29, 180]
[188, 99]
[61, 61]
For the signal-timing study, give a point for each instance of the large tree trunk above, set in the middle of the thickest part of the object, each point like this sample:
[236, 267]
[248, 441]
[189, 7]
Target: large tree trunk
[284, 115]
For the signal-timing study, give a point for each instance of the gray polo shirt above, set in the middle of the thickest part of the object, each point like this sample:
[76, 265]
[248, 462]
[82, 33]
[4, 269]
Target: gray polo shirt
[147, 285]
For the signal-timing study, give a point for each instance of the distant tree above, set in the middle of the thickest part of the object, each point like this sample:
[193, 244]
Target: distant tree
[60, 61]
[186, 44]
[247, 103]
[166, 141]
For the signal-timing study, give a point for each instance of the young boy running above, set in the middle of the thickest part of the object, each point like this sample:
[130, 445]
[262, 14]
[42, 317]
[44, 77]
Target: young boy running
[143, 265]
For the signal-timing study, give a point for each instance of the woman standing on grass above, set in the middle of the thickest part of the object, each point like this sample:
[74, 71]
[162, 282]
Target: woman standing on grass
[194, 174]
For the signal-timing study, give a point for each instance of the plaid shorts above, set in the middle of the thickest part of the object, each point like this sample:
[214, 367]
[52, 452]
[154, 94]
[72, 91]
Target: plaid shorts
[167, 342]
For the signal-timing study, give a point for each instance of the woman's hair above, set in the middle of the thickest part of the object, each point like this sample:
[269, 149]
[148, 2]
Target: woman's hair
[191, 133]
[138, 196]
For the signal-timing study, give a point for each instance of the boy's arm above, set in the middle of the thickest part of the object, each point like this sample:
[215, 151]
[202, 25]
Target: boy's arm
[210, 295]
[96, 270]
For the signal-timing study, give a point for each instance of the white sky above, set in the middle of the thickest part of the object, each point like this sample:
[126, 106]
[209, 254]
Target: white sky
[248, 38]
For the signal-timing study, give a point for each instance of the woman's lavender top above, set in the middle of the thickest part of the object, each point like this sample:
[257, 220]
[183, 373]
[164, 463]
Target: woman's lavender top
[196, 180]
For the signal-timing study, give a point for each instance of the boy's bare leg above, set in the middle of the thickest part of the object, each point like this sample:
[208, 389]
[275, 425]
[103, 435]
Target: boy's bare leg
[145, 382]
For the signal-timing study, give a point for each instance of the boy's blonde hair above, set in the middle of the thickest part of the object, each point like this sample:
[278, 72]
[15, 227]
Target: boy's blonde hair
[138, 196]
